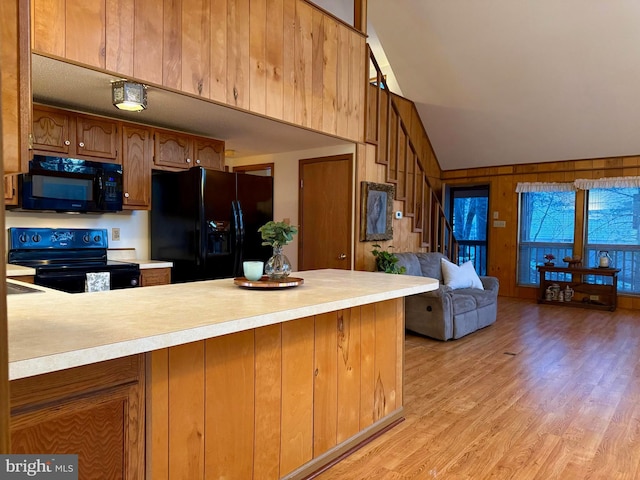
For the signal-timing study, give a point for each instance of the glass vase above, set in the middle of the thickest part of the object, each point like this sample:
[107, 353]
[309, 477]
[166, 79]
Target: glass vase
[278, 266]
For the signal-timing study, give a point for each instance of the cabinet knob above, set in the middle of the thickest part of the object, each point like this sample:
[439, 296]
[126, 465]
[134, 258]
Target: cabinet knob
[67, 142]
[342, 256]
[81, 144]
[126, 195]
[188, 160]
[198, 161]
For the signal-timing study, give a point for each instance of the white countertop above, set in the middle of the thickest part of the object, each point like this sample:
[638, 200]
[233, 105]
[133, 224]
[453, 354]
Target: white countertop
[54, 330]
[19, 270]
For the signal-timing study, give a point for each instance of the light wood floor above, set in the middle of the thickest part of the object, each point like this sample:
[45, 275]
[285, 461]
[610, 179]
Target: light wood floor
[545, 393]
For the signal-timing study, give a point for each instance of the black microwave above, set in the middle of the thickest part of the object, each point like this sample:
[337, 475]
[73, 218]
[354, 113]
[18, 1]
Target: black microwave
[71, 185]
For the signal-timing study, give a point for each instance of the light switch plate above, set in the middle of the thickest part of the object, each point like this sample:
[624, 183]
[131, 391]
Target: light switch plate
[499, 223]
[496, 215]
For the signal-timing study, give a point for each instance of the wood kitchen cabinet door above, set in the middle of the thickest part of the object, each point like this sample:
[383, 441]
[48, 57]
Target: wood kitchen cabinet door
[97, 137]
[172, 150]
[155, 276]
[15, 85]
[95, 411]
[52, 131]
[10, 190]
[208, 153]
[137, 158]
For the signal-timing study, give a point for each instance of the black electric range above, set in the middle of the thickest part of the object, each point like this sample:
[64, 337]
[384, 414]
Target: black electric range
[62, 257]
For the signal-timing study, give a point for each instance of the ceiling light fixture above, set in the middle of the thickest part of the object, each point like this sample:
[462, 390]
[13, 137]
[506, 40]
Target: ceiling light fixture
[129, 96]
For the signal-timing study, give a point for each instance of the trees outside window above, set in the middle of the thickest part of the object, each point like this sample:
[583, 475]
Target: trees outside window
[547, 223]
[469, 216]
[613, 221]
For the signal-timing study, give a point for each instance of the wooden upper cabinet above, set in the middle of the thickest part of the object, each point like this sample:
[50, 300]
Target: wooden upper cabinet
[137, 155]
[181, 151]
[52, 131]
[209, 153]
[60, 132]
[172, 150]
[97, 138]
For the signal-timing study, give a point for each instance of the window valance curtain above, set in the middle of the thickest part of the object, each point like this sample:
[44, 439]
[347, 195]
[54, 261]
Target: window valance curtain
[523, 187]
[579, 184]
[610, 182]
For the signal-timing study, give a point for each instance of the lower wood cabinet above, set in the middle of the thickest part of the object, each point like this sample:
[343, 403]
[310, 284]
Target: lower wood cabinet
[94, 411]
[155, 276]
[278, 401]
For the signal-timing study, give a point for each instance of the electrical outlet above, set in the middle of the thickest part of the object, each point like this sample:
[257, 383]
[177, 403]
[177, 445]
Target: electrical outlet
[115, 234]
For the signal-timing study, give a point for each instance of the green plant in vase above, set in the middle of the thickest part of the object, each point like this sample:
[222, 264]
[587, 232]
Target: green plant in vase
[277, 235]
[387, 261]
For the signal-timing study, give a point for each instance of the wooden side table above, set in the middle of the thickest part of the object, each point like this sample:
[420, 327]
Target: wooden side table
[595, 288]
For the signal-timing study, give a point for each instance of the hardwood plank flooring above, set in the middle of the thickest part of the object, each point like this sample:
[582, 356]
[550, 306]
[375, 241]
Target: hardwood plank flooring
[546, 392]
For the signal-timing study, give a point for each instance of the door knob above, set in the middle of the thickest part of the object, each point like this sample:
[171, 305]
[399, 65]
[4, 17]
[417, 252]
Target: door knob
[342, 256]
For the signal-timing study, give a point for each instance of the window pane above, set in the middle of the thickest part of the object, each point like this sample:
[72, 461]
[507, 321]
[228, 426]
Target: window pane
[546, 226]
[547, 217]
[613, 221]
[613, 216]
[470, 218]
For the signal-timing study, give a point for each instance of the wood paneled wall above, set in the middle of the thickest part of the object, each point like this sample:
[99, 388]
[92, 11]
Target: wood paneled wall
[369, 170]
[502, 182]
[286, 59]
[278, 401]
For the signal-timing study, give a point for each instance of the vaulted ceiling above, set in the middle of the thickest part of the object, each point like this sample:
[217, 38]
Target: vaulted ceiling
[500, 82]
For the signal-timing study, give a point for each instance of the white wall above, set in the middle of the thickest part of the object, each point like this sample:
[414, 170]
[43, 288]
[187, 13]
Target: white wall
[133, 225]
[286, 182]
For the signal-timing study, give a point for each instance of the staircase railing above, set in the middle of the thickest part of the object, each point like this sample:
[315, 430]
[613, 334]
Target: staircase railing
[405, 168]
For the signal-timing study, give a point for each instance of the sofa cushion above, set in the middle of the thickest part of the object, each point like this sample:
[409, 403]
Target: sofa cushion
[482, 297]
[463, 276]
[462, 303]
[430, 264]
[410, 262]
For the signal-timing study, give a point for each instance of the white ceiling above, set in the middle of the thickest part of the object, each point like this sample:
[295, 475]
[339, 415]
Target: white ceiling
[66, 85]
[500, 82]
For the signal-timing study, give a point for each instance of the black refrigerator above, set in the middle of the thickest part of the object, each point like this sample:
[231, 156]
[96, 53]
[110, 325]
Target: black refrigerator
[206, 221]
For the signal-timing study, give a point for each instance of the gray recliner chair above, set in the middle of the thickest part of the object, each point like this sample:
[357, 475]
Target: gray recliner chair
[445, 313]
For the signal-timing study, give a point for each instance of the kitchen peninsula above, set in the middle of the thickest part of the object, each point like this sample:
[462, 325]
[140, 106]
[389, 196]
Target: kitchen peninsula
[237, 383]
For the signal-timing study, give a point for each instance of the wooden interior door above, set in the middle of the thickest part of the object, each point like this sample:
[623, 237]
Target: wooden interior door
[325, 234]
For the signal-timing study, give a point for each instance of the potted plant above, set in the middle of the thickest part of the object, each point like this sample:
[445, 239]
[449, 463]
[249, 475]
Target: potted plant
[277, 235]
[548, 259]
[387, 261]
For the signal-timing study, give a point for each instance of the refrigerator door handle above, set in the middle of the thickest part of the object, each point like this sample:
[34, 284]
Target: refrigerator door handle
[240, 221]
[237, 240]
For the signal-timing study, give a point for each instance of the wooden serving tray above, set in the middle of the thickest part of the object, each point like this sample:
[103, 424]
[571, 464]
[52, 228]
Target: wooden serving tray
[266, 282]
